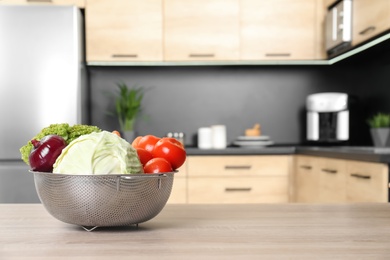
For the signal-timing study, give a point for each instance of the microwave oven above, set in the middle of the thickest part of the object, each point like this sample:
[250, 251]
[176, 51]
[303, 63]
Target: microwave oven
[338, 27]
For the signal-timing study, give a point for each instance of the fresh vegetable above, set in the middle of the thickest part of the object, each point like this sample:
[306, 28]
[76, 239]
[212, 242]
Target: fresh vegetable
[136, 141]
[45, 152]
[144, 156]
[157, 165]
[67, 132]
[171, 150]
[147, 142]
[115, 132]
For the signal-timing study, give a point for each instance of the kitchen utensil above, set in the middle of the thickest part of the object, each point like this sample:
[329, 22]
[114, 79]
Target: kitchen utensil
[253, 138]
[253, 144]
[218, 136]
[93, 201]
[205, 138]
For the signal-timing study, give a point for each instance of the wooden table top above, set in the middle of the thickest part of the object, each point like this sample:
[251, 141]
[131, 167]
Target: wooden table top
[255, 231]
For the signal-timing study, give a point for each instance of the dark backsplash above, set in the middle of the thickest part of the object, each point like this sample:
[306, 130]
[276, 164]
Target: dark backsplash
[182, 99]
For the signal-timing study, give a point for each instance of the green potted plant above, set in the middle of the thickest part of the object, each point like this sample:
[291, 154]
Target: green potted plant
[380, 129]
[127, 106]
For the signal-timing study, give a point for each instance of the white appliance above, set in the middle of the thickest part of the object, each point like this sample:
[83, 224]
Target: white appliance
[338, 27]
[327, 117]
[42, 81]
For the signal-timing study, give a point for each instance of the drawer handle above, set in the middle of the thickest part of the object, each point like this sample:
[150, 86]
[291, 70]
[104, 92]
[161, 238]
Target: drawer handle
[124, 55]
[329, 171]
[238, 167]
[368, 29]
[306, 167]
[238, 189]
[360, 176]
[278, 54]
[201, 55]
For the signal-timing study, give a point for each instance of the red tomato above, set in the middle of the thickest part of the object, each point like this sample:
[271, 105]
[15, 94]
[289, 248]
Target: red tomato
[144, 156]
[171, 151]
[147, 142]
[135, 142]
[157, 165]
[174, 140]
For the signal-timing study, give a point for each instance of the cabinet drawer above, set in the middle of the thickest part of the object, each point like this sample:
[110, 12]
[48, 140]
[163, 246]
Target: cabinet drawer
[234, 166]
[238, 190]
[179, 191]
[367, 182]
[332, 180]
[306, 179]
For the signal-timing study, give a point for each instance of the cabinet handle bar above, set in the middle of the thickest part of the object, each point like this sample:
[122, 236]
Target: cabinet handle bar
[306, 167]
[238, 167]
[329, 171]
[246, 189]
[357, 175]
[278, 54]
[124, 56]
[201, 55]
[368, 29]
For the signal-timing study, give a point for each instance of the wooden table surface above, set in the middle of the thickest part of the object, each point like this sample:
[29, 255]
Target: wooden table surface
[287, 231]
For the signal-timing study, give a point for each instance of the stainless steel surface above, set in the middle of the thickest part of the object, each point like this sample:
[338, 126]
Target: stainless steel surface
[339, 26]
[42, 72]
[15, 185]
[103, 200]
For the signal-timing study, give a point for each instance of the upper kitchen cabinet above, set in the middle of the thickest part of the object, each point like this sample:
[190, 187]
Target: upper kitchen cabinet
[78, 3]
[201, 30]
[281, 29]
[124, 30]
[370, 18]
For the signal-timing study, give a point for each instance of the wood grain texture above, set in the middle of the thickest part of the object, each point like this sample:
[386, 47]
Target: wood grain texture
[260, 231]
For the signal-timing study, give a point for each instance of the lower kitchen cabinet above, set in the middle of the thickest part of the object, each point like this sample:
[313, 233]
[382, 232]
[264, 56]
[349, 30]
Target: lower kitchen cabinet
[179, 187]
[328, 180]
[239, 179]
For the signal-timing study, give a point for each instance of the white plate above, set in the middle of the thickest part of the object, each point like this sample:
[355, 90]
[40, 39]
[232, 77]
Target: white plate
[253, 143]
[253, 138]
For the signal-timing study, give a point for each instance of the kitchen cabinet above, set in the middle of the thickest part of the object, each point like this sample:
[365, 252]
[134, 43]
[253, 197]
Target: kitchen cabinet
[281, 30]
[239, 179]
[370, 18]
[203, 30]
[124, 30]
[179, 188]
[78, 3]
[328, 180]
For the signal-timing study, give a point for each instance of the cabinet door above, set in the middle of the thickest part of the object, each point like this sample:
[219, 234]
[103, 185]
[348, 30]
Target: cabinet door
[306, 179]
[239, 179]
[201, 30]
[78, 3]
[179, 188]
[332, 180]
[278, 29]
[367, 182]
[370, 18]
[124, 30]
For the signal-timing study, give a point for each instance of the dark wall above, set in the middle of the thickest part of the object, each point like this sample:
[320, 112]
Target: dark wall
[185, 98]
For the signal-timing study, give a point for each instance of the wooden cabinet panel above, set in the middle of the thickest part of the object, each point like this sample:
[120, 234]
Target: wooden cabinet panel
[78, 3]
[238, 190]
[124, 30]
[201, 30]
[306, 183]
[332, 180]
[278, 29]
[367, 182]
[239, 179]
[179, 188]
[370, 18]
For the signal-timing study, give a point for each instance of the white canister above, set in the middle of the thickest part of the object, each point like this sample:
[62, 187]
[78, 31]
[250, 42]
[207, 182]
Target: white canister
[218, 136]
[205, 138]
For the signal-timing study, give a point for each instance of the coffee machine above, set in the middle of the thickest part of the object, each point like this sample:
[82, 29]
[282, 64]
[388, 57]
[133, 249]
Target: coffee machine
[327, 118]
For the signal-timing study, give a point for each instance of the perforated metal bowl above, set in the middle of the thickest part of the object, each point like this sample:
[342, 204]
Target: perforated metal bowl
[94, 201]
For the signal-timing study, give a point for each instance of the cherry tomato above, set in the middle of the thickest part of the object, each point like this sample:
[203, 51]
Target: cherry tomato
[144, 156]
[171, 151]
[135, 142]
[157, 165]
[147, 142]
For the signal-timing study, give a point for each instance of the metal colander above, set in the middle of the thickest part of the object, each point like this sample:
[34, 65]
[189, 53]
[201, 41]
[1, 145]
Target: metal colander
[103, 200]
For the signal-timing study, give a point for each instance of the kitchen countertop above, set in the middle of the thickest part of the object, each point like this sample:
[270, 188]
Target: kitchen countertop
[256, 231]
[366, 153]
